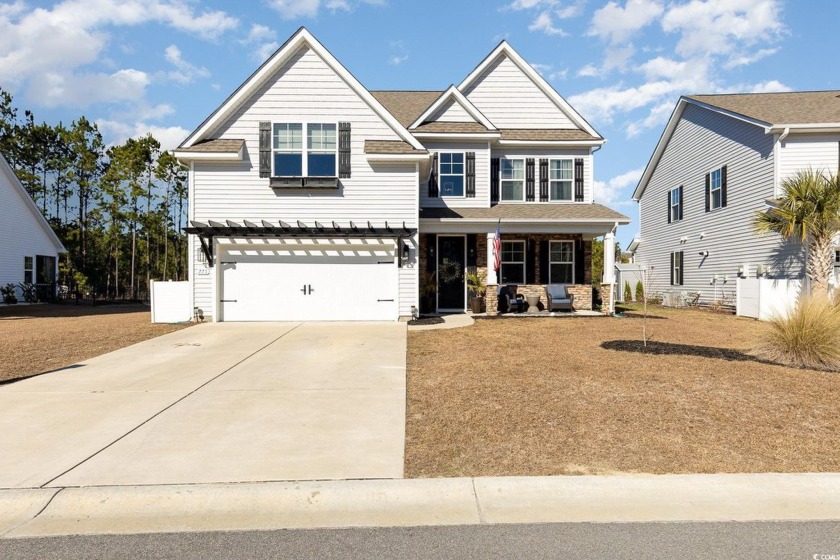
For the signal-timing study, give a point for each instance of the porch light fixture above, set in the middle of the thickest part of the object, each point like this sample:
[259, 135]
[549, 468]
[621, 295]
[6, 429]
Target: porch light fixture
[704, 253]
[406, 251]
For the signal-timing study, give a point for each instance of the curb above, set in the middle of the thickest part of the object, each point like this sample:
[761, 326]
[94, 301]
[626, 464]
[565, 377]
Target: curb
[418, 502]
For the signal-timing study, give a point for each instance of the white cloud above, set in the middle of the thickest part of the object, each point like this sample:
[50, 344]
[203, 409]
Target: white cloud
[396, 60]
[748, 58]
[544, 23]
[265, 40]
[589, 71]
[294, 9]
[617, 24]
[116, 132]
[611, 193]
[52, 89]
[720, 26]
[259, 33]
[548, 72]
[184, 72]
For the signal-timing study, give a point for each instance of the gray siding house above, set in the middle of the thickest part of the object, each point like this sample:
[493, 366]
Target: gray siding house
[721, 159]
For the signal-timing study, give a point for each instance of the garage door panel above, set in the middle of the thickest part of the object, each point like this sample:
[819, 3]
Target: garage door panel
[309, 286]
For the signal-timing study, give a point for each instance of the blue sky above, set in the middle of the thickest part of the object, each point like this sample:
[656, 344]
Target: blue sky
[136, 66]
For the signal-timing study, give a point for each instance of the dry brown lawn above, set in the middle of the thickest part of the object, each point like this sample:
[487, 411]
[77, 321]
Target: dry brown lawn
[549, 396]
[40, 338]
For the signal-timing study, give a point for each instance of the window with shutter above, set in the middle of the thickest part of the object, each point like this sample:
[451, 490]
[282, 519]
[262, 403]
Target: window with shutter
[470, 174]
[579, 180]
[344, 150]
[494, 179]
[433, 179]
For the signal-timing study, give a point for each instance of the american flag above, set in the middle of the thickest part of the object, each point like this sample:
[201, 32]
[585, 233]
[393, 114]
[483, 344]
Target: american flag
[497, 248]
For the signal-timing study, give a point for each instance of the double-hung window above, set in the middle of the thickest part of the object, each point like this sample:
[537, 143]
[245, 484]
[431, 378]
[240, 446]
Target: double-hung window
[716, 188]
[676, 204]
[315, 158]
[561, 175]
[676, 268]
[561, 267]
[28, 269]
[513, 262]
[512, 173]
[451, 174]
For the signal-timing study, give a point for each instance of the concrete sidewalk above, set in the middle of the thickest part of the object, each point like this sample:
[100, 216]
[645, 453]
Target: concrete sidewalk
[418, 502]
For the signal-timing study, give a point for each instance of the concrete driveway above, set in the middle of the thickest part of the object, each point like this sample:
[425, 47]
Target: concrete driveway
[226, 402]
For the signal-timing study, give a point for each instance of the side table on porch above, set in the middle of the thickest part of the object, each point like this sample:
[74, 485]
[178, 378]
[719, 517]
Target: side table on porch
[533, 303]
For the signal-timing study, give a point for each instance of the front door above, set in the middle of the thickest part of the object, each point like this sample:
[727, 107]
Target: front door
[452, 290]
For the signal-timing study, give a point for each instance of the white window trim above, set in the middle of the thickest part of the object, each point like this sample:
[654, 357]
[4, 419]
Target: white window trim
[524, 259]
[712, 206]
[304, 164]
[675, 268]
[572, 262]
[463, 175]
[672, 205]
[501, 181]
[571, 198]
[31, 269]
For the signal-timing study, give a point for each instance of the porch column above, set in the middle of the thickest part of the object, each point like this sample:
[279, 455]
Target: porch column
[608, 284]
[491, 261]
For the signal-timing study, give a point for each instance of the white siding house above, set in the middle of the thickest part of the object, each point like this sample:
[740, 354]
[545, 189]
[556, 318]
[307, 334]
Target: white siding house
[312, 198]
[720, 160]
[29, 250]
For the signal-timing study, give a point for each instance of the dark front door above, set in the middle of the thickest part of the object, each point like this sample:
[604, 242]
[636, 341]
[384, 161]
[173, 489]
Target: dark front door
[451, 288]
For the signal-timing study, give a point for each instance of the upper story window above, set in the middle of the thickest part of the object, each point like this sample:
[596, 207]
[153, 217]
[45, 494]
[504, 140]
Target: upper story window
[317, 158]
[561, 175]
[716, 188]
[512, 269]
[512, 173]
[451, 174]
[675, 205]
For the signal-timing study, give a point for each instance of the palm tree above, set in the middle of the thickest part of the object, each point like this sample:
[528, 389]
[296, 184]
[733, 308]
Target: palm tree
[809, 212]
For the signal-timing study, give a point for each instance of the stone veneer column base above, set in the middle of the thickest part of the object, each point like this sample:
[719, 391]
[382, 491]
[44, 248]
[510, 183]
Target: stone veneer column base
[491, 299]
[606, 293]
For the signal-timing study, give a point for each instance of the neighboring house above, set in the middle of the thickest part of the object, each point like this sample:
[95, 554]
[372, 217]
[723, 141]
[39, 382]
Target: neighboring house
[312, 198]
[29, 251]
[721, 159]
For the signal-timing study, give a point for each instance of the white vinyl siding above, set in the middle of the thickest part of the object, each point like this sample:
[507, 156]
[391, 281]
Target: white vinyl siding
[482, 176]
[452, 111]
[702, 141]
[508, 97]
[820, 152]
[305, 89]
[22, 234]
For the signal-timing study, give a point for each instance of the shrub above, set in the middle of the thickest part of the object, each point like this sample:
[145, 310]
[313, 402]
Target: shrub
[628, 296]
[808, 337]
[30, 293]
[8, 293]
[640, 291]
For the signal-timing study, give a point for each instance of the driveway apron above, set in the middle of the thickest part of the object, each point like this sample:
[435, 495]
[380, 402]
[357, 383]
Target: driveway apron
[215, 403]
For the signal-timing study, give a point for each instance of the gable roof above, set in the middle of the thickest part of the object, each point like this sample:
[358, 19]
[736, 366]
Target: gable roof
[504, 49]
[406, 106]
[268, 68]
[774, 112]
[15, 183]
[452, 94]
[780, 109]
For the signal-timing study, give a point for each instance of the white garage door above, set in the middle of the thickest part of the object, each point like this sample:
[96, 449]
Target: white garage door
[307, 284]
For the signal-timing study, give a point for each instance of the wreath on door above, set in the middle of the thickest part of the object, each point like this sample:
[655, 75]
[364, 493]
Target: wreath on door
[449, 271]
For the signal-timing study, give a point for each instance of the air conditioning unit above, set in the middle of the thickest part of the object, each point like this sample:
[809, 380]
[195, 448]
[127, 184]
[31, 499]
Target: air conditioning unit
[673, 299]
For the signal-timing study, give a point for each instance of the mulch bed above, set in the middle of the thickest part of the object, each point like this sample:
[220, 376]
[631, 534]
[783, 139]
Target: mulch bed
[577, 396]
[427, 321]
[38, 338]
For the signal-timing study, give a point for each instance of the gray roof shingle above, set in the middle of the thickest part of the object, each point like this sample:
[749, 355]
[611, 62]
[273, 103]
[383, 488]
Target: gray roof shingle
[406, 106]
[795, 107]
[391, 147]
[217, 145]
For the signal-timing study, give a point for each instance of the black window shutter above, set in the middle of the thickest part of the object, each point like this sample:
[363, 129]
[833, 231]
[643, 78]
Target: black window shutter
[472, 249]
[265, 149]
[530, 262]
[543, 180]
[708, 193]
[431, 240]
[529, 180]
[682, 267]
[494, 179]
[579, 180]
[580, 267]
[672, 269]
[723, 186]
[669, 206]
[470, 174]
[344, 150]
[681, 202]
[433, 177]
[543, 259]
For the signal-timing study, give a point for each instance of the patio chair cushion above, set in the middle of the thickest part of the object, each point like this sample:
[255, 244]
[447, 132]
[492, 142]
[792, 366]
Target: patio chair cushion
[558, 297]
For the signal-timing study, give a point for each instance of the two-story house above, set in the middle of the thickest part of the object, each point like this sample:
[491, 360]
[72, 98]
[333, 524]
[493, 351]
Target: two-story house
[721, 159]
[312, 198]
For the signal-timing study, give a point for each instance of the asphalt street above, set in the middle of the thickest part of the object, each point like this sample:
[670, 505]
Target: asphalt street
[763, 540]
